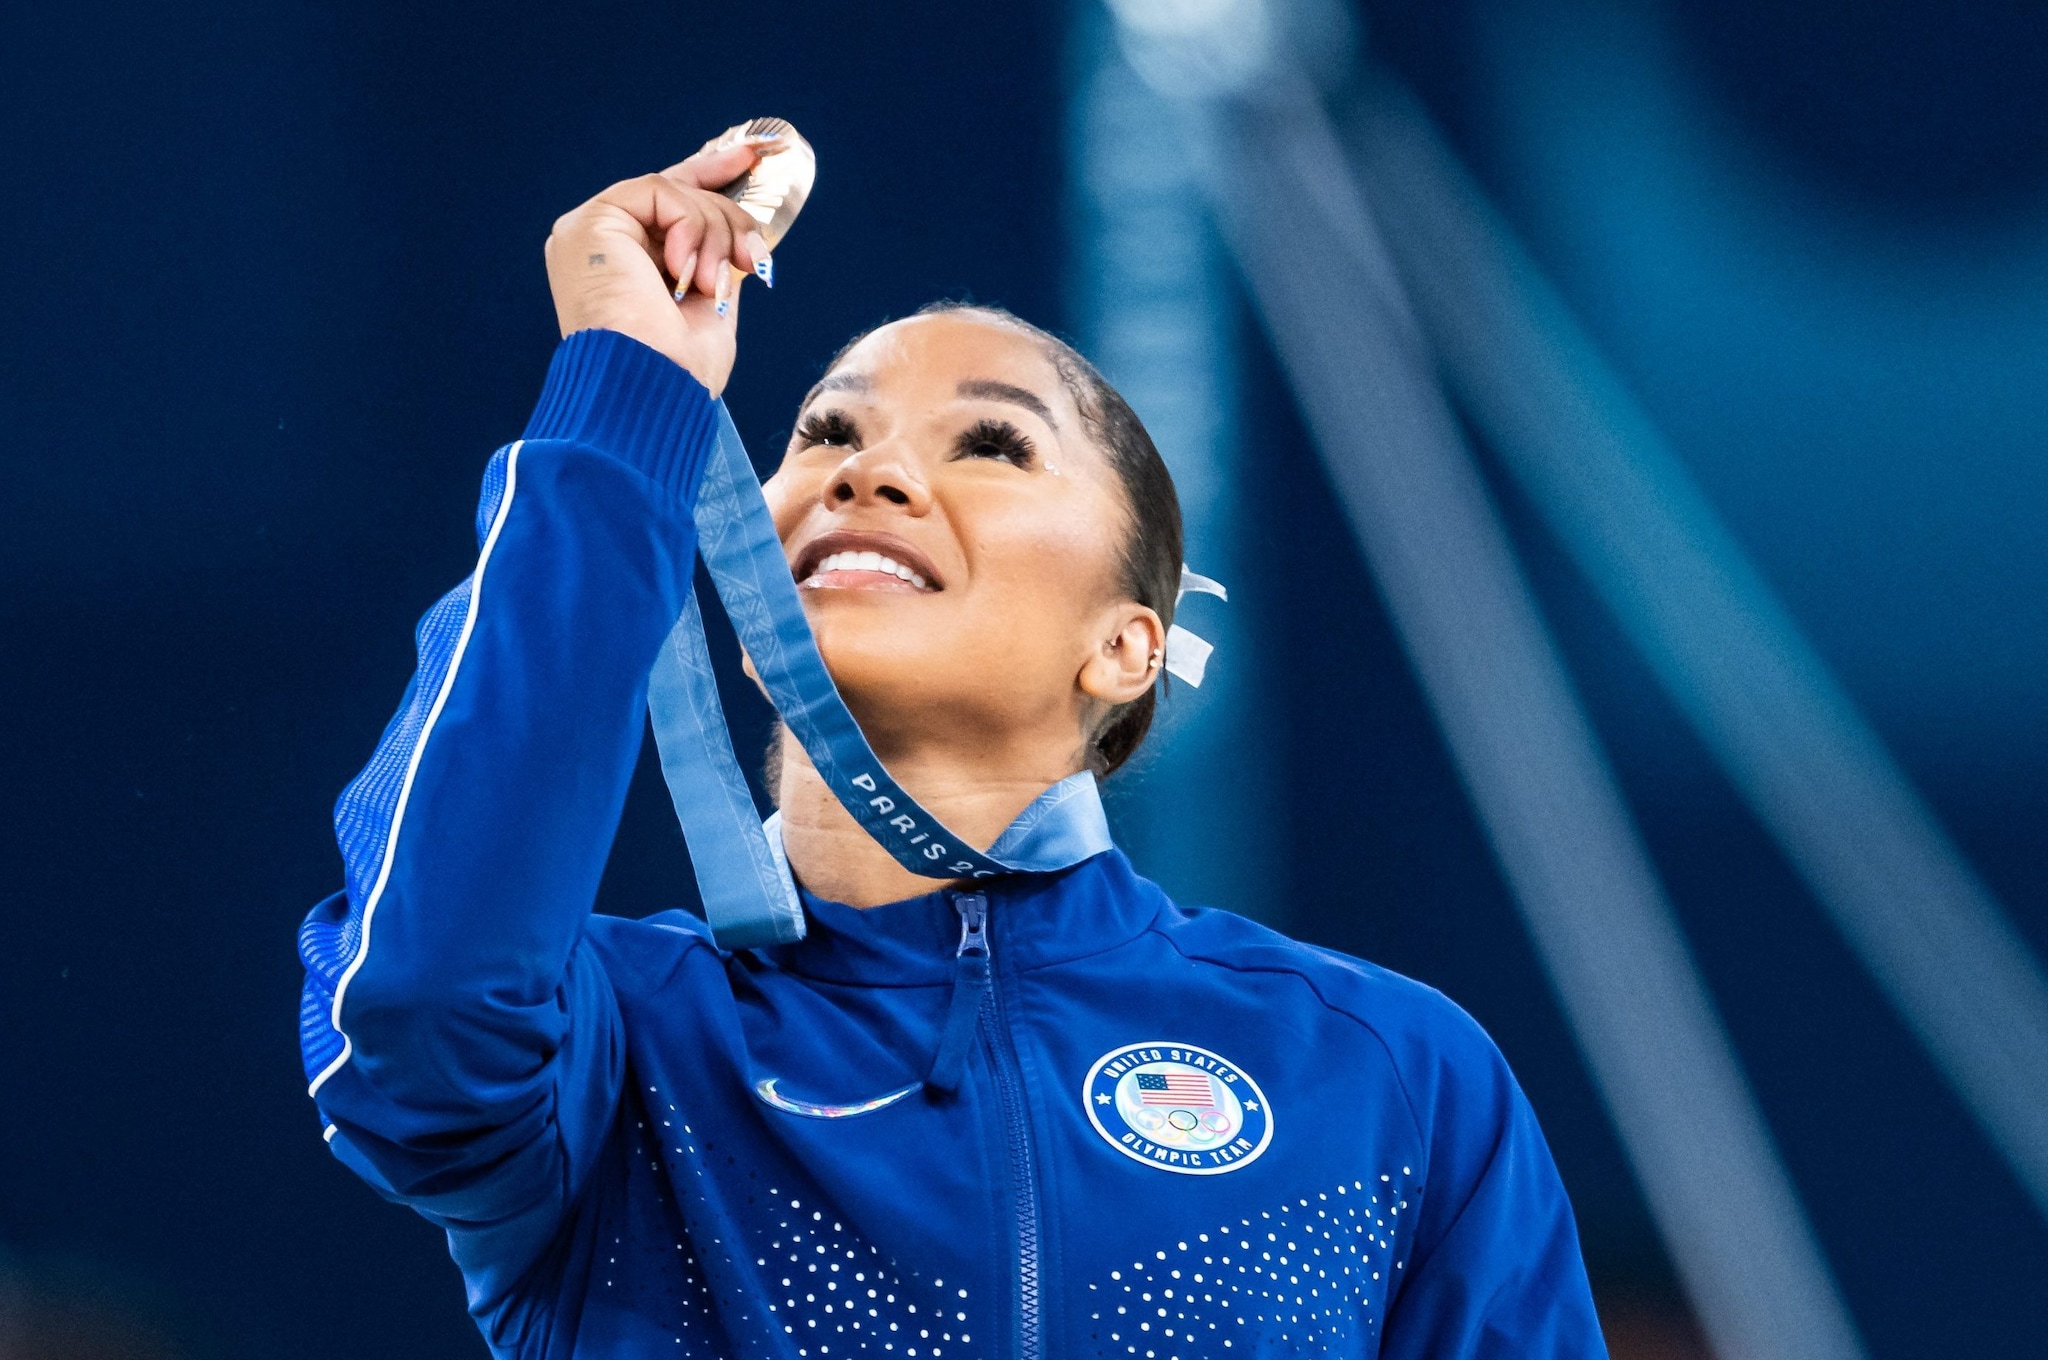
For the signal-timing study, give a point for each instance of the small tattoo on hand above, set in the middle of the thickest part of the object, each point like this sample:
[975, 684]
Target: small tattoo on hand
[595, 259]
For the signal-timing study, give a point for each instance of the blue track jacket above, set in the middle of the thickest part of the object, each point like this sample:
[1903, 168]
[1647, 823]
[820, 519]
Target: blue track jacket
[1177, 1134]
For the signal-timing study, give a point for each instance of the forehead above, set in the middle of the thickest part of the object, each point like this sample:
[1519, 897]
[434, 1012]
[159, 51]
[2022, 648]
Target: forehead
[923, 356]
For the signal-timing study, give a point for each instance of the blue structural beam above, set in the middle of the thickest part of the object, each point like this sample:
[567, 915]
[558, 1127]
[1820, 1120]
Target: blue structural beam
[1793, 742]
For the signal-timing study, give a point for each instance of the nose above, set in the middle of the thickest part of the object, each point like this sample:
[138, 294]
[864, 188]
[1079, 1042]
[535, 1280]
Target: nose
[877, 475]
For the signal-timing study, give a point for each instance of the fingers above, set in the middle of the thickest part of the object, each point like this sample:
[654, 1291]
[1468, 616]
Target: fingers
[718, 163]
[713, 308]
[714, 166]
[713, 231]
[680, 252]
[700, 247]
[720, 231]
[657, 202]
[693, 232]
[726, 238]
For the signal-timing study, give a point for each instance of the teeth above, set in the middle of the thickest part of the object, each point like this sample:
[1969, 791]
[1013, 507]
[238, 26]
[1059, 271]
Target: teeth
[869, 561]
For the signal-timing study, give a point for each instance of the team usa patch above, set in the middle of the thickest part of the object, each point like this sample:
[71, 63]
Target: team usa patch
[1178, 1108]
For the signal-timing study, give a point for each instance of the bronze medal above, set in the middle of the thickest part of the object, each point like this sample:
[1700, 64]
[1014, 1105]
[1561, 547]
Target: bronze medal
[773, 192]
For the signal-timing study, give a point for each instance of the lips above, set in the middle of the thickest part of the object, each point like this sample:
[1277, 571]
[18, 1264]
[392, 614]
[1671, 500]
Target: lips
[849, 560]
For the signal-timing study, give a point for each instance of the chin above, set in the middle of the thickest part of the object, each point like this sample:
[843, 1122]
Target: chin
[878, 662]
[903, 684]
[867, 631]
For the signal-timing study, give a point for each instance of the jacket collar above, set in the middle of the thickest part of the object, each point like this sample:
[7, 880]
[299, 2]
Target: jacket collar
[1033, 920]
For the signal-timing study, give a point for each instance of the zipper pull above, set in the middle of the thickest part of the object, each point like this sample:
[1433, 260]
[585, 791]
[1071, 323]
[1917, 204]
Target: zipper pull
[973, 909]
[970, 985]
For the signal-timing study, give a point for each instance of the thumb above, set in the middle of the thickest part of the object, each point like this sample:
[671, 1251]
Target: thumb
[719, 163]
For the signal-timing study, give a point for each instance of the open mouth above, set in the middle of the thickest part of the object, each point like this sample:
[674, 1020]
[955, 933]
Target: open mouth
[849, 561]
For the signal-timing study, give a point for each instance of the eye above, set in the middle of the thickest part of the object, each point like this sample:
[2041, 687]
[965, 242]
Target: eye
[827, 427]
[995, 439]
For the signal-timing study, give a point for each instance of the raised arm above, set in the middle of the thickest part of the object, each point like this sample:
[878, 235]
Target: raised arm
[459, 1039]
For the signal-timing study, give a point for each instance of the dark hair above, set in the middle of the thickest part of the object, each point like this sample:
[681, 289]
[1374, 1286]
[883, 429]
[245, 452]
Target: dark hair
[1152, 548]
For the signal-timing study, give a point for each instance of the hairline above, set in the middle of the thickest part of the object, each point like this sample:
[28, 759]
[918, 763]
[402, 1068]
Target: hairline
[1072, 379]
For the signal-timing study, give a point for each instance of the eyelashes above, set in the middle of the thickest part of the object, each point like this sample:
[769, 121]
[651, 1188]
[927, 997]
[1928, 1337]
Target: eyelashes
[995, 439]
[987, 438]
[827, 427]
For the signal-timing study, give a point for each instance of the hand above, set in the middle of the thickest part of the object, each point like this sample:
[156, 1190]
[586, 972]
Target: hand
[611, 261]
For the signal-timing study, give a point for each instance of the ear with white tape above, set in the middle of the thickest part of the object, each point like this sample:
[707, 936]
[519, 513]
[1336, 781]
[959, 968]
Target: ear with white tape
[1187, 654]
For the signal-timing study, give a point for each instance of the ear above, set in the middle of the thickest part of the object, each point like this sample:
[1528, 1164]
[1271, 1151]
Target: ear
[1130, 648]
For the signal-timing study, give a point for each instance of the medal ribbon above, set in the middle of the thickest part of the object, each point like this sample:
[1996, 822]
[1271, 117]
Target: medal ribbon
[749, 896]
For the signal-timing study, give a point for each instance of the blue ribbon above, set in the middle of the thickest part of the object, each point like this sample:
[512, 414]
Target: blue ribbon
[749, 896]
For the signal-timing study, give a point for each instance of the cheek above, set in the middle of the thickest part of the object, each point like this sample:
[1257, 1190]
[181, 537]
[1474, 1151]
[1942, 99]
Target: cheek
[796, 491]
[789, 493]
[1051, 566]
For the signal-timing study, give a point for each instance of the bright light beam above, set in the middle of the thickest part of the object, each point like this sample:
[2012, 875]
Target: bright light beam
[1366, 385]
[1153, 307]
[1792, 741]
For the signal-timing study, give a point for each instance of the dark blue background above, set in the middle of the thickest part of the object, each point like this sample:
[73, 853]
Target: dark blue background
[273, 291]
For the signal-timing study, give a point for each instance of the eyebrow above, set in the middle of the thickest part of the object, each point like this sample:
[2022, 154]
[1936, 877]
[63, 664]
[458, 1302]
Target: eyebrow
[987, 389]
[837, 382]
[1010, 392]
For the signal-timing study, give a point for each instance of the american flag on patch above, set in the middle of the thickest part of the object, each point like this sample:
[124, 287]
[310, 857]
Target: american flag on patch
[1176, 1088]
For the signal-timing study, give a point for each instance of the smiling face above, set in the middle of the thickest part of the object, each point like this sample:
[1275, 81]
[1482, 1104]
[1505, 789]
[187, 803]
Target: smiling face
[958, 535]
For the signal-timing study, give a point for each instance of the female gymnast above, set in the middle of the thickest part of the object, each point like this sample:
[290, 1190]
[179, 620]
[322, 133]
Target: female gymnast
[1045, 1114]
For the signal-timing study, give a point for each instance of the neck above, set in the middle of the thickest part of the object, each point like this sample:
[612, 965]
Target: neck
[977, 793]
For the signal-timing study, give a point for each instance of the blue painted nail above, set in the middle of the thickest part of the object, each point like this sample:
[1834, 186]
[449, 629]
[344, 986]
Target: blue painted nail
[764, 270]
[724, 306]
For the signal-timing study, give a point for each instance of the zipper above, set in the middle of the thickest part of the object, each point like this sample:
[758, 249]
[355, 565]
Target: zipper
[1024, 1171]
[970, 991]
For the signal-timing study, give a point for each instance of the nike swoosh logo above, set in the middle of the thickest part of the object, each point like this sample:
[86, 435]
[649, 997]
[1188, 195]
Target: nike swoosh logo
[765, 1088]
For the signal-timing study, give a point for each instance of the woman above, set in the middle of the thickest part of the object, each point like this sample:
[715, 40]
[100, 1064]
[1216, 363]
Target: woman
[1158, 1133]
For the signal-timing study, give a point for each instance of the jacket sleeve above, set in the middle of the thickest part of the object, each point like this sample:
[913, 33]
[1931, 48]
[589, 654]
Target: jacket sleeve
[460, 1038]
[1493, 1271]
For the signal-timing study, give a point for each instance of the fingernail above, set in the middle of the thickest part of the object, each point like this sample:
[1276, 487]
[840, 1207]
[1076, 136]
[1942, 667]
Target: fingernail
[757, 251]
[724, 291]
[683, 277]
